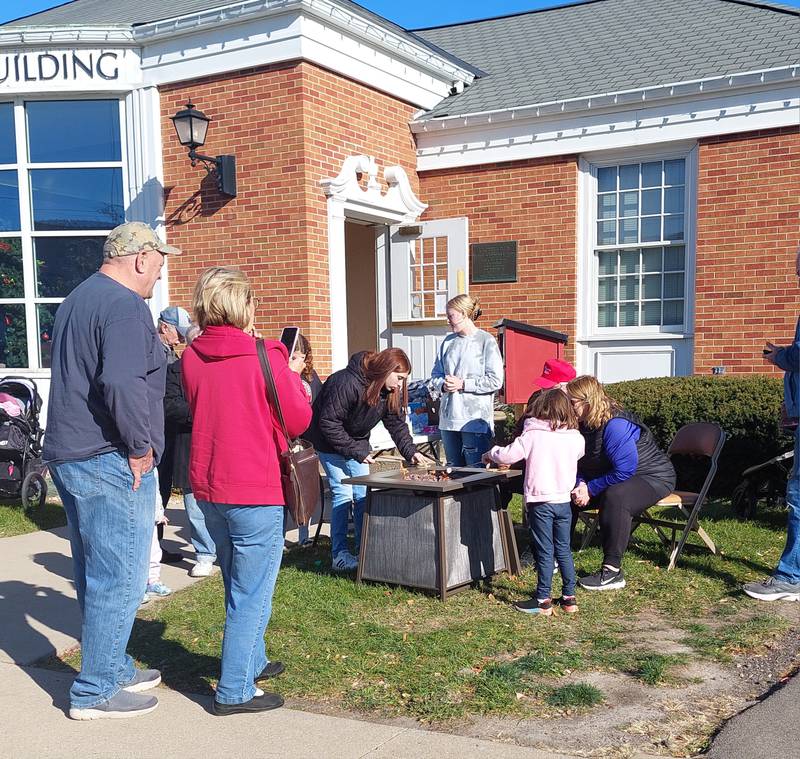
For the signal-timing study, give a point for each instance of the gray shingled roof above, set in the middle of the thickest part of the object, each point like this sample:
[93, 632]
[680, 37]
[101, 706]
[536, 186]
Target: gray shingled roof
[605, 46]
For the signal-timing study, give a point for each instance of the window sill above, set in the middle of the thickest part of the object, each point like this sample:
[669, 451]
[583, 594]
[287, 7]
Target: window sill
[633, 336]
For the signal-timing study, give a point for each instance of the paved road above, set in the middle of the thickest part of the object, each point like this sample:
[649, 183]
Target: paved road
[768, 730]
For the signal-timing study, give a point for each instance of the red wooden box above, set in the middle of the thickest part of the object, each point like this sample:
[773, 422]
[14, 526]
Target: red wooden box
[525, 348]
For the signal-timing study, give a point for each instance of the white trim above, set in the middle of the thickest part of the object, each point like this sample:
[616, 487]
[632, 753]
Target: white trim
[347, 199]
[546, 135]
[65, 35]
[145, 175]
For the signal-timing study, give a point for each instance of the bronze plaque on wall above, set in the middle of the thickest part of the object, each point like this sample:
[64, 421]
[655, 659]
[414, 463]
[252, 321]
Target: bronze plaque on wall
[493, 262]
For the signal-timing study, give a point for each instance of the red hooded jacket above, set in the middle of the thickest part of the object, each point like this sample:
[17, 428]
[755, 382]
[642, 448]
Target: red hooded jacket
[235, 435]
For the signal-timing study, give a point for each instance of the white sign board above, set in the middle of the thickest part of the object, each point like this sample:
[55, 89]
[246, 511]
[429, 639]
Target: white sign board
[79, 69]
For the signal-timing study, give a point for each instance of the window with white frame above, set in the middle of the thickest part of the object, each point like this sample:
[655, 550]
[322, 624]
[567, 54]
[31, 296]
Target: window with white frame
[61, 190]
[640, 245]
[428, 272]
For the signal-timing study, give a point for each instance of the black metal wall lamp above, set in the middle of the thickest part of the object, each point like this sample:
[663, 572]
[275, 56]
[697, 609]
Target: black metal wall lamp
[191, 127]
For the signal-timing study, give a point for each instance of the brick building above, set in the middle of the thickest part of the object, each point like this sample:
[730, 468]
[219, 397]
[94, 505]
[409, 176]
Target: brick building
[624, 171]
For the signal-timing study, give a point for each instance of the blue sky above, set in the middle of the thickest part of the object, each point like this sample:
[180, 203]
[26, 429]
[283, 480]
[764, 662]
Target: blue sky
[409, 13]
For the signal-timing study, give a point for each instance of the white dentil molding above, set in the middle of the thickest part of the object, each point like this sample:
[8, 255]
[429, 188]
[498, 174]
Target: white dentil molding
[535, 136]
[39, 36]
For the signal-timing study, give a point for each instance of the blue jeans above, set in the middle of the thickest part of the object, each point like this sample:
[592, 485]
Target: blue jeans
[550, 525]
[204, 547]
[249, 541]
[788, 568]
[465, 448]
[338, 468]
[110, 530]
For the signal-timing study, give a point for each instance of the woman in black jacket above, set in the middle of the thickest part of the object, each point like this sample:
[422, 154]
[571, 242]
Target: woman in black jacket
[353, 400]
[178, 422]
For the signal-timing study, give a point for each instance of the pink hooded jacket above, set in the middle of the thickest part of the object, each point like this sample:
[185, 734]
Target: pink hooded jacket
[551, 460]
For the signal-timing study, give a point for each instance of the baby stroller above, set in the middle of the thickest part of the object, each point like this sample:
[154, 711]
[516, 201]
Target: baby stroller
[766, 480]
[21, 468]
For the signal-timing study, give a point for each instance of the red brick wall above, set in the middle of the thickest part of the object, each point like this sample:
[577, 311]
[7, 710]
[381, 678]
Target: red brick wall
[289, 126]
[535, 203]
[748, 230]
[257, 116]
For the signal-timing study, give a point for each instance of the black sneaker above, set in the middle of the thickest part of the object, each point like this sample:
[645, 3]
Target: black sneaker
[605, 579]
[261, 703]
[273, 669]
[543, 608]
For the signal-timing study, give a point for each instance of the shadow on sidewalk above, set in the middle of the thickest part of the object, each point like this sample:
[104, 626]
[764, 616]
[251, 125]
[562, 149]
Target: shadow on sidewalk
[55, 563]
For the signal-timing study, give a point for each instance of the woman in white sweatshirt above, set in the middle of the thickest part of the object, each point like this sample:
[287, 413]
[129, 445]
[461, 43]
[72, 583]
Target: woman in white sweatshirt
[467, 374]
[551, 446]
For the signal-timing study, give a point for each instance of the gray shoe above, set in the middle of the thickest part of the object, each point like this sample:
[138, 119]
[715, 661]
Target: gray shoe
[143, 679]
[119, 706]
[773, 589]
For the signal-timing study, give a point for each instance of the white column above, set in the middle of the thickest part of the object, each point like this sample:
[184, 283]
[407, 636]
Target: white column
[338, 284]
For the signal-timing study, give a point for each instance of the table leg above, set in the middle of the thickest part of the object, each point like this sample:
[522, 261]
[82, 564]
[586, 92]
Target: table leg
[362, 551]
[441, 558]
[513, 564]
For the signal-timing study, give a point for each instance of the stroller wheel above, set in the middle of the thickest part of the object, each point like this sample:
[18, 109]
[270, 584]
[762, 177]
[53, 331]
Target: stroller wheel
[33, 491]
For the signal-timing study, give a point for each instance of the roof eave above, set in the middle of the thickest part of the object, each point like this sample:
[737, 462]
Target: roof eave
[119, 34]
[611, 100]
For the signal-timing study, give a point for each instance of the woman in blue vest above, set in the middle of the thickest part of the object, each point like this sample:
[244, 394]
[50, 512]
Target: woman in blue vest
[622, 473]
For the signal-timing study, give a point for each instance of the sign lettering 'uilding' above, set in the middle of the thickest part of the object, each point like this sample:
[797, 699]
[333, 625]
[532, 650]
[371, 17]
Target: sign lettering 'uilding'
[54, 67]
[493, 262]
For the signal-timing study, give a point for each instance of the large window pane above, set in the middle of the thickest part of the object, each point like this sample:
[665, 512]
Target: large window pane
[73, 130]
[629, 230]
[46, 313]
[607, 262]
[607, 179]
[628, 288]
[606, 232]
[651, 259]
[629, 315]
[673, 200]
[8, 141]
[607, 315]
[607, 206]
[629, 204]
[673, 312]
[651, 174]
[673, 227]
[76, 198]
[11, 282]
[651, 313]
[651, 286]
[673, 285]
[651, 202]
[629, 177]
[13, 341]
[675, 172]
[607, 289]
[674, 258]
[629, 261]
[651, 228]
[9, 201]
[62, 263]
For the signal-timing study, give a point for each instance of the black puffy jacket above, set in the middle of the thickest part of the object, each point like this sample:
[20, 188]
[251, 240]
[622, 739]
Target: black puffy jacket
[178, 424]
[343, 419]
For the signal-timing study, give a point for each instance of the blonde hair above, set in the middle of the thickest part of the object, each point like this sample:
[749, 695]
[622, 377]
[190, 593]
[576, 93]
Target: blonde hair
[465, 304]
[601, 407]
[222, 295]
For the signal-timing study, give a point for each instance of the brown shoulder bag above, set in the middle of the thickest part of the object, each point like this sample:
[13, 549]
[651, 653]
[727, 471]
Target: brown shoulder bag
[299, 463]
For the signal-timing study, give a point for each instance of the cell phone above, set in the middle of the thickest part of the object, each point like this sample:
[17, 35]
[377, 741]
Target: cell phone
[289, 338]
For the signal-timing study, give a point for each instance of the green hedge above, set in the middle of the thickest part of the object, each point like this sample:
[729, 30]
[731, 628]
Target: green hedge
[746, 407]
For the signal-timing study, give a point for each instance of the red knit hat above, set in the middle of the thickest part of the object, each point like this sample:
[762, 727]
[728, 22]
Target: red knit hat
[555, 371]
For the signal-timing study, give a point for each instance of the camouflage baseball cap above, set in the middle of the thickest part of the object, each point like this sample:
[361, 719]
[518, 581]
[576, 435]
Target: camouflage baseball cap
[134, 237]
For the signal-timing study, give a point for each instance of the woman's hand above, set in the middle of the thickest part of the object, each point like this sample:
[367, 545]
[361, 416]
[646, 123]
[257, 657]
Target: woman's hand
[453, 384]
[370, 459]
[487, 459]
[580, 495]
[297, 362]
[419, 459]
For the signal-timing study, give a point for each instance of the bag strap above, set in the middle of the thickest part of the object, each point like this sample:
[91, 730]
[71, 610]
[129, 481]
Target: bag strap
[272, 391]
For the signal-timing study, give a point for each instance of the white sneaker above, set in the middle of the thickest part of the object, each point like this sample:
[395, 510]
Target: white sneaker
[344, 562]
[202, 568]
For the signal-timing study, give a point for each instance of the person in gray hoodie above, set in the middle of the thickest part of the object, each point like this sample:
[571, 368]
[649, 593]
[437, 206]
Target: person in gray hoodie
[466, 376]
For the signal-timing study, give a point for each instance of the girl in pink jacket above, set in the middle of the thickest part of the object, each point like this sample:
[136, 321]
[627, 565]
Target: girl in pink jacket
[551, 446]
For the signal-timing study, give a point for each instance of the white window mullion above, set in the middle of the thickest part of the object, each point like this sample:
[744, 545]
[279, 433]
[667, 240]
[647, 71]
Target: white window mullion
[26, 227]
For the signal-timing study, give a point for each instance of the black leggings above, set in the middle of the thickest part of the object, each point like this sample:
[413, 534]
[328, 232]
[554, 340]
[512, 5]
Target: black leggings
[618, 505]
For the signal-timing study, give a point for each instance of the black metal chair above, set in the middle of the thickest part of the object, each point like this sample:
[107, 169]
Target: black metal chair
[698, 439]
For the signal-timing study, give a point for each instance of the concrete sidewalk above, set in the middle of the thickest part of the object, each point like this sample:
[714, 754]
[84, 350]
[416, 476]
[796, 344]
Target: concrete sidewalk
[40, 618]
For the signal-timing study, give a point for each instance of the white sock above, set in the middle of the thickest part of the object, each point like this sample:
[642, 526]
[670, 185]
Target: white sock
[258, 692]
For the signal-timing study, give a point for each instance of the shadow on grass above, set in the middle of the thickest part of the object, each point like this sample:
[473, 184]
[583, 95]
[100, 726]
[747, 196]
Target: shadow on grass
[181, 669]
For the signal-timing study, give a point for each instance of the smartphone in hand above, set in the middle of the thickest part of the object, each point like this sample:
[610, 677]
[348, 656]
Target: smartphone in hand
[289, 337]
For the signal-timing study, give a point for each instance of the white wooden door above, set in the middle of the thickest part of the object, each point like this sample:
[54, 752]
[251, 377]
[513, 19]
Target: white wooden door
[426, 269]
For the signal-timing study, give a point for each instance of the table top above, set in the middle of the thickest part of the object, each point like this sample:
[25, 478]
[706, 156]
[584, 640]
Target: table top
[461, 477]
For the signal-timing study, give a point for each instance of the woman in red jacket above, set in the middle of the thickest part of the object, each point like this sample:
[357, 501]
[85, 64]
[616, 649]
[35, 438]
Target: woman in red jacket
[235, 472]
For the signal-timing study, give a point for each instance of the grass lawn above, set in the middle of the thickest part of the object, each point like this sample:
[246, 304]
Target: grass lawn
[393, 652]
[14, 520]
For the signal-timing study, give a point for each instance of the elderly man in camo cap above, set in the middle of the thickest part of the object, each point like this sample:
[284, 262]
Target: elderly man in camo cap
[105, 432]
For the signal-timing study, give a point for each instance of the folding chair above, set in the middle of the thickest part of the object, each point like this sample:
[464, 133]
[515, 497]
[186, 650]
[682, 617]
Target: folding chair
[696, 439]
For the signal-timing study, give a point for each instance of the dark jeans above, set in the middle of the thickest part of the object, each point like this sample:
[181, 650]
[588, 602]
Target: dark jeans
[550, 525]
[618, 505]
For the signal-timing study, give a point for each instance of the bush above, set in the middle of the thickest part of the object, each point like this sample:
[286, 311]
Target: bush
[746, 407]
